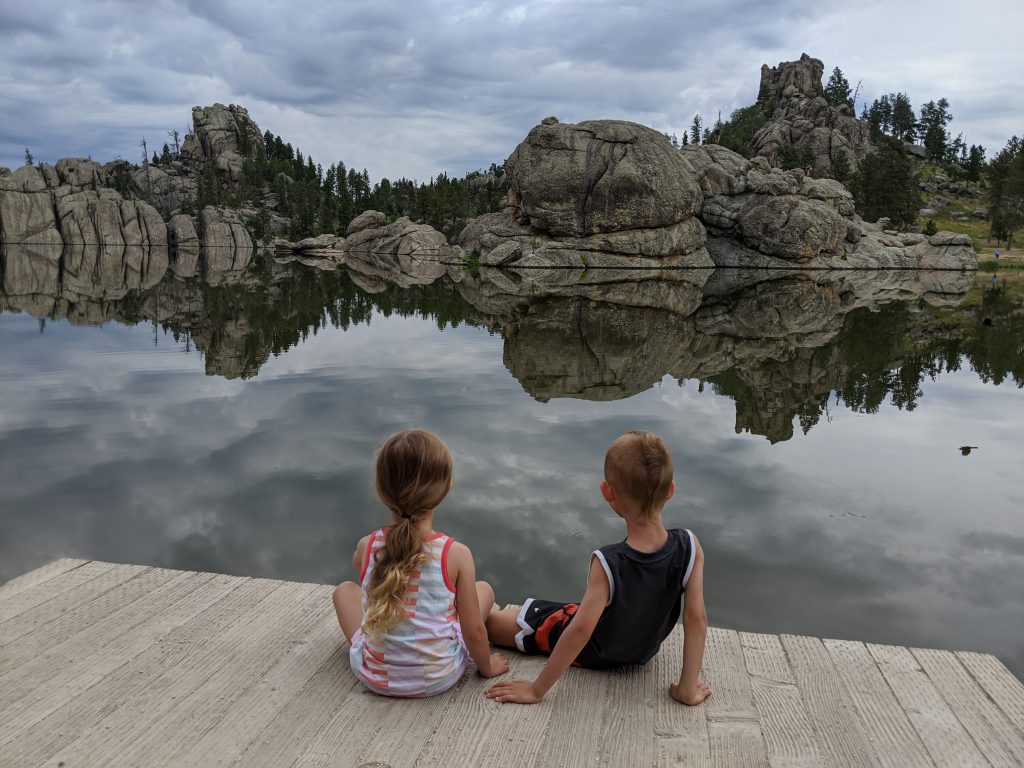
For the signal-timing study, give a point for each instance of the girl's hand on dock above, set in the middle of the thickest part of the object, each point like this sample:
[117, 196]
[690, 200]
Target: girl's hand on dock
[515, 692]
[499, 666]
[690, 697]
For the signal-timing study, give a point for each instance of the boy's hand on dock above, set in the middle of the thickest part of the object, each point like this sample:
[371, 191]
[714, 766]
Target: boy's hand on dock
[499, 666]
[690, 697]
[515, 692]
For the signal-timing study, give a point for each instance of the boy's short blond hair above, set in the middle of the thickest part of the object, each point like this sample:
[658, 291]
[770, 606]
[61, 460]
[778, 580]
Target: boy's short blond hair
[639, 467]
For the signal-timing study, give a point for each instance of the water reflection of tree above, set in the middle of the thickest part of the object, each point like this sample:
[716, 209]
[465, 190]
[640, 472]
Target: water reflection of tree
[878, 357]
[247, 323]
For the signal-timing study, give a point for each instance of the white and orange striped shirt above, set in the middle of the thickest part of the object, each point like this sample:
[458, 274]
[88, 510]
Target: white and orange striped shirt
[424, 655]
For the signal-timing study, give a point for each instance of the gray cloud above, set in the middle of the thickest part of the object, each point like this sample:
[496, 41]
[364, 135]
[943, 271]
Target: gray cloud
[416, 90]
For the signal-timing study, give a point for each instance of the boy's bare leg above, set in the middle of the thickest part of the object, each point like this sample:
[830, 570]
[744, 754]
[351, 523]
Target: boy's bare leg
[349, 607]
[485, 597]
[502, 627]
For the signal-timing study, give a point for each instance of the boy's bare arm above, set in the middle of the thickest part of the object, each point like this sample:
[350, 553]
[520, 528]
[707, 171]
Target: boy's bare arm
[690, 690]
[568, 647]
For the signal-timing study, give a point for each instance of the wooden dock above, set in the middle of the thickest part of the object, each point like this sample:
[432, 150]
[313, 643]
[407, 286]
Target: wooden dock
[110, 665]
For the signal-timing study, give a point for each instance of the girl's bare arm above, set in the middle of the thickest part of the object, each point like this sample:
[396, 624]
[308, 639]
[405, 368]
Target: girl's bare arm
[462, 570]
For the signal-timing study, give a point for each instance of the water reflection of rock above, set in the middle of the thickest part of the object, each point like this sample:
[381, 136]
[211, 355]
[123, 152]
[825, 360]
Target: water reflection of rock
[777, 342]
[767, 333]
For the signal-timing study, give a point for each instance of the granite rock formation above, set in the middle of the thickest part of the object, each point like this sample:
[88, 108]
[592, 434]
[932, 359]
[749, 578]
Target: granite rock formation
[804, 118]
[602, 190]
[589, 196]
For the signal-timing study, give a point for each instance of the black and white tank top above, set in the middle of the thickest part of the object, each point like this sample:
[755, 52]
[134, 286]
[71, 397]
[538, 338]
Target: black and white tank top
[645, 602]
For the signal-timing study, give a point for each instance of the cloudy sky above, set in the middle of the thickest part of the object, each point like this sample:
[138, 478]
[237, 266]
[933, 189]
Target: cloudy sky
[416, 88]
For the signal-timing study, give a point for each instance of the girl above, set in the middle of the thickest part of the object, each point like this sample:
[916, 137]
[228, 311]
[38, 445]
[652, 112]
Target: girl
[418, 613]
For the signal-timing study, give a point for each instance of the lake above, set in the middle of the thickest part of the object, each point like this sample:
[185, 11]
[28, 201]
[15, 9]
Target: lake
[815, 420]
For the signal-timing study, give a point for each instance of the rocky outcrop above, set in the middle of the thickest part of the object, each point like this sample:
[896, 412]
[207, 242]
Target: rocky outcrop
[221, 137]
[55, 207]
[26, 209]
[185, 247]
[574, 189]
[803, 118]
[227, 245]
[603, 192]
[167, 188]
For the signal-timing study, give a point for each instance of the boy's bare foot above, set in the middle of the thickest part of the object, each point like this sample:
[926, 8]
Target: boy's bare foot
[692, 697]
[499, 666]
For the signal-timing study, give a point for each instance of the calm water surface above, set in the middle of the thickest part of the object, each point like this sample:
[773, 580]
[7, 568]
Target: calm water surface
[816, 436]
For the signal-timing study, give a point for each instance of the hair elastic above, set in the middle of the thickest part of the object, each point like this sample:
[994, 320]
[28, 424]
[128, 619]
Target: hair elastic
[406, 515]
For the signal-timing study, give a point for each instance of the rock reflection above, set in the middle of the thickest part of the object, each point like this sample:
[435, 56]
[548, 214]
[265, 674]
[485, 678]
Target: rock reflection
[779, 343]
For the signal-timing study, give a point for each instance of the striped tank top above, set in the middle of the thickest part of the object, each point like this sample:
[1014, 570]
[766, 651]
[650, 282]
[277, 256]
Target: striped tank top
[424, 655]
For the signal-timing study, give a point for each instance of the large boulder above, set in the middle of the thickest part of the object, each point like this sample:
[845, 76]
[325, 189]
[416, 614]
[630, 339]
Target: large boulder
[402, 252]
[597, 177]
[26, 209]
[166, 188]
[227, 245]
[81, 173]
[184, 242]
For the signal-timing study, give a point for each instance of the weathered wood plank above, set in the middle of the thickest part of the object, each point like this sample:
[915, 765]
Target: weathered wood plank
[681, 732]
[296, 726]
[476, 715]
[734, 730]
[58, 654]
[573, 731]
[628, 717]
[788, 732]
[511, 738]
[838, 733]
[34, 632]
[883, 720]
[56, 586]
[998, 682]
[76, 673]
[75, 715]
[190, 697]
[32, 579]
[231, 726]
[764, 657]
[995, 736]
[368, 723]
[944, 737]
[129, 665]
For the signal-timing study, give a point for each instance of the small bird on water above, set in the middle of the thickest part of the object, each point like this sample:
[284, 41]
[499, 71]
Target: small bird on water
[965, 450]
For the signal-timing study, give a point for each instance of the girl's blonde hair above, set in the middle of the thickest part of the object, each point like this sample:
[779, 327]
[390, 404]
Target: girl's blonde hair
[414, 474]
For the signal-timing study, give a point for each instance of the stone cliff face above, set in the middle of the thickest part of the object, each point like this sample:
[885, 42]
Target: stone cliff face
[221, 137]
[618, 195]
[602, 191]
[804, 118]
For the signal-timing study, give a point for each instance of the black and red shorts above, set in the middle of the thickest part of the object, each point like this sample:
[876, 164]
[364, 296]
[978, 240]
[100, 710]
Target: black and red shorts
[541, 623]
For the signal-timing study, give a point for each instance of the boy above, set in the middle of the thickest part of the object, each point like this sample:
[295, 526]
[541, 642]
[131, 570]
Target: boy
[634, 589]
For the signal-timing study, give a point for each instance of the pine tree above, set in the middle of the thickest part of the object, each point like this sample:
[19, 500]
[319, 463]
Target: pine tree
[886, 184]
[696, 131]
[1006, 191]
[975, 162]
[935, 116]
[28, 157]
[837, 91]
[904, 125]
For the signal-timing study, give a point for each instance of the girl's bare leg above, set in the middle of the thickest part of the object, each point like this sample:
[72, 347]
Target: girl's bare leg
[349, 607]
[502, 627]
